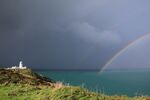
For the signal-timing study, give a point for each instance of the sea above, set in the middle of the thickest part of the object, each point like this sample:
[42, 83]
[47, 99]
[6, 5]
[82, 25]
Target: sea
[130, 83]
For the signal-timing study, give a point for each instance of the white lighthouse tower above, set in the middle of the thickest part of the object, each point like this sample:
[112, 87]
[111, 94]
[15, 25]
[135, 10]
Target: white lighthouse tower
[20, 65]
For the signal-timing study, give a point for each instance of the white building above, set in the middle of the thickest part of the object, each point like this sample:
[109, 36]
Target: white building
[19, 67]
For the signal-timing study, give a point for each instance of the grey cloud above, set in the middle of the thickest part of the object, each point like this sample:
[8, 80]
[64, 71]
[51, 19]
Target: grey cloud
[91, 34]
[68, 34]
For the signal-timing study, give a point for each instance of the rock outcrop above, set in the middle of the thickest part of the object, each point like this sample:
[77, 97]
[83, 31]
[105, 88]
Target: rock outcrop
[23, 76]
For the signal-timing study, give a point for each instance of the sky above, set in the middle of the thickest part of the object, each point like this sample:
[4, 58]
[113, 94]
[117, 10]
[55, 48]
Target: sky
[69, 34]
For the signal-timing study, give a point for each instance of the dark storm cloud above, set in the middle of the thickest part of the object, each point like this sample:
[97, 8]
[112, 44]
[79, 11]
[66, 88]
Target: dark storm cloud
[80, 34]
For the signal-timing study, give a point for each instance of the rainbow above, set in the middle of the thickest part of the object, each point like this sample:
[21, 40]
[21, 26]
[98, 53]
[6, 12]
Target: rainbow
[123, 50]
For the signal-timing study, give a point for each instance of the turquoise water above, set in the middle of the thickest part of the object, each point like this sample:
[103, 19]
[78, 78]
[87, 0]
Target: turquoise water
[125, 83]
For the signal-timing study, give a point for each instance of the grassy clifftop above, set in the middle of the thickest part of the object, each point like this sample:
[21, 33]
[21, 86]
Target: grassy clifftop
[24, 84]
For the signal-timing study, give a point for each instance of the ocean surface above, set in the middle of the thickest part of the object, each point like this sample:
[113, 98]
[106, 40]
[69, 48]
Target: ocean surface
[111, 82]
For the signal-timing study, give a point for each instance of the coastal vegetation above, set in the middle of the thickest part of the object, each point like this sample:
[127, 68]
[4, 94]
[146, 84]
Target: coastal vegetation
[24, 84]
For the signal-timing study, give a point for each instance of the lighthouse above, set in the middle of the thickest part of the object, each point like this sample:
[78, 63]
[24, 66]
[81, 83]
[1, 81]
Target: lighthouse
[20, 65]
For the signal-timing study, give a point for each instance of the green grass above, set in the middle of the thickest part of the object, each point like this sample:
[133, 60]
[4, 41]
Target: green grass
[30, 92]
